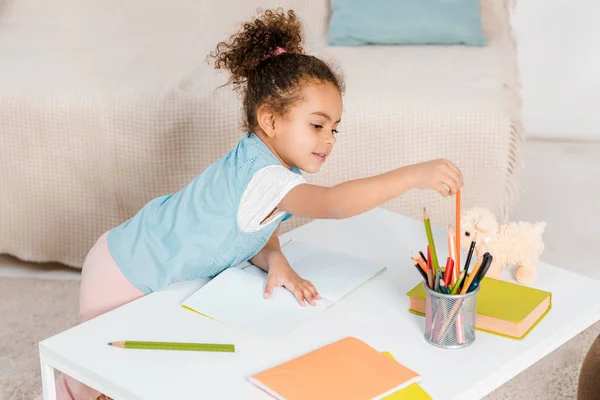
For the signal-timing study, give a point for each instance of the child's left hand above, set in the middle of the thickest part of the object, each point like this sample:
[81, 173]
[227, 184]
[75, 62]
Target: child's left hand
[282, 274]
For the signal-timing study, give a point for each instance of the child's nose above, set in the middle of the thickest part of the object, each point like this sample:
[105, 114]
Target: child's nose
[330, 138]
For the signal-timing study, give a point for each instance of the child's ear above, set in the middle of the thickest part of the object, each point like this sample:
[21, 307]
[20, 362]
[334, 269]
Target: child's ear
[266, 120]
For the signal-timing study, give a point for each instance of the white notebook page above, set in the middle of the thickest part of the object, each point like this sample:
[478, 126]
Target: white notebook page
[333, 274]
[237, 298]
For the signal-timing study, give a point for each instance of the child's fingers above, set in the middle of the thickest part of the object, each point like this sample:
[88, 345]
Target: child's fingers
[313, 290]
[308, 295]
[442, 189]
[271, 284]
[456, 173]
[451, 182]
[298, 292]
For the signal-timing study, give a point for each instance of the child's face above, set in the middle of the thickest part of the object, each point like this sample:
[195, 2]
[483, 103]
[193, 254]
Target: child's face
[305, 136]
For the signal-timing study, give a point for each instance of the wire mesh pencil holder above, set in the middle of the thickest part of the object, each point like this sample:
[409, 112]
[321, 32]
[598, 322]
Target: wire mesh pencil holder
[450, 319]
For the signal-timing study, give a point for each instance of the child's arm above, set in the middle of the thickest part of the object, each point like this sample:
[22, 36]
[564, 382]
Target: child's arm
[271, 249]
[272, 260]
[357, 196]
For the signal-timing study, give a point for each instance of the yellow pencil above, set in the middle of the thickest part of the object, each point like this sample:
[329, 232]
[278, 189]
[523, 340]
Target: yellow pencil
[470, 278]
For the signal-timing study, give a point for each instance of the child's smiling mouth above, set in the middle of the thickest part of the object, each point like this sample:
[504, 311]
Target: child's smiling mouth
[321, 156]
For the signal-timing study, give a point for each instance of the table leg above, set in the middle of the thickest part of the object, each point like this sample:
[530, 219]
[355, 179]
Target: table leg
[48, 383]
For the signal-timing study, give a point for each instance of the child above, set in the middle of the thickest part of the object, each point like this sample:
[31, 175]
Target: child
[231, 212]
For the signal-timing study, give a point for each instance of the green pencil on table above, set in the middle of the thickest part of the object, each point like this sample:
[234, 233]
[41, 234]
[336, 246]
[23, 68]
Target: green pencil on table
[129, 344]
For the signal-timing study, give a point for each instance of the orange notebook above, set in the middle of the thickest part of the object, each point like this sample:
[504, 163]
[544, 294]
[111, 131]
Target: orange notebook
[347, 369]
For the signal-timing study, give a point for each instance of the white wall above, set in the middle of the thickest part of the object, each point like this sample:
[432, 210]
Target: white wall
[559, 59]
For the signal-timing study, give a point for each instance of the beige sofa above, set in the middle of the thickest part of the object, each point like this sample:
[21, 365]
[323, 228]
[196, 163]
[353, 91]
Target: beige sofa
[105, 105]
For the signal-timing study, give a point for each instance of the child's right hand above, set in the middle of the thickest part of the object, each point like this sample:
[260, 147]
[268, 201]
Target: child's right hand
[440, 175]
[282, 274]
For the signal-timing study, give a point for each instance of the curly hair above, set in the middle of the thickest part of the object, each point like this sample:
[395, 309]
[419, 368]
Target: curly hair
[264, 75]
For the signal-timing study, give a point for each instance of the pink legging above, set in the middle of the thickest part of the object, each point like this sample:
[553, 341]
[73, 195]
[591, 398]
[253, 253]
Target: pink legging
[103, 288]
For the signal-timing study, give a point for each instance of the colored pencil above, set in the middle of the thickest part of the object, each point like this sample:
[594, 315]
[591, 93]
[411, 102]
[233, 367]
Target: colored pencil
[429, 262]
[434, 321]
[433, 255]
[451, 243]
[423, 256]
[449, 319]
[473, 286]
[459, 282]
[470, 278]
[173, 346]
[421, 263]
[470, 255]
[429, 314]
[443, 287]
[460, 328]
[457, 230]
[452, 253]
[449, 271]
[423, 267]
[423, 273]
[430, 278]
[485, 266]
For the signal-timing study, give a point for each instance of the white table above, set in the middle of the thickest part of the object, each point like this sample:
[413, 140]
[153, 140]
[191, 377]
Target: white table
[377, 313]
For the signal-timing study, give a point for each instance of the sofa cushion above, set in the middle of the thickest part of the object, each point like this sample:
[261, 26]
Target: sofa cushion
[359, 22]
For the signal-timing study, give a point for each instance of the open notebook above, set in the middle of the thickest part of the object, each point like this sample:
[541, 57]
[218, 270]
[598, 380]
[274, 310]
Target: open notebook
[235, 296]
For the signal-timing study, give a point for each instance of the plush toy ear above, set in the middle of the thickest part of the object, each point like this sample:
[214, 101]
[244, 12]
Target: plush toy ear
[485, 224]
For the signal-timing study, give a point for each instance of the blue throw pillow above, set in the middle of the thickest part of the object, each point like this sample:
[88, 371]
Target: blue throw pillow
[387, 22]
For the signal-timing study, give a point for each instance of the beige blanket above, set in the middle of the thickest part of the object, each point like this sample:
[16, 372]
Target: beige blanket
[105, 105]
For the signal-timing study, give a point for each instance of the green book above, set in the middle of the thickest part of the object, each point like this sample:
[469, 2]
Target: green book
[504, 308]
[411, 392]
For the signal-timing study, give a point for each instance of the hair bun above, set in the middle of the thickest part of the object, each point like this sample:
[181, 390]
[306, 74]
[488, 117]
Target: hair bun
[271, 33]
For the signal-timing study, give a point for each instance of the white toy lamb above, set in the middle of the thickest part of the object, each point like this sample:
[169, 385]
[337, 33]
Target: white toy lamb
[517, 244]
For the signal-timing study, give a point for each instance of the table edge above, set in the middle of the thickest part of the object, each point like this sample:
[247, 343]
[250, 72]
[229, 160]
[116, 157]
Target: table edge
[532, 356]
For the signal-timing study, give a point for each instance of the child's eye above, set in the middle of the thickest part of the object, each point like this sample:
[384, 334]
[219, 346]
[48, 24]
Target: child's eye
[317, 127]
